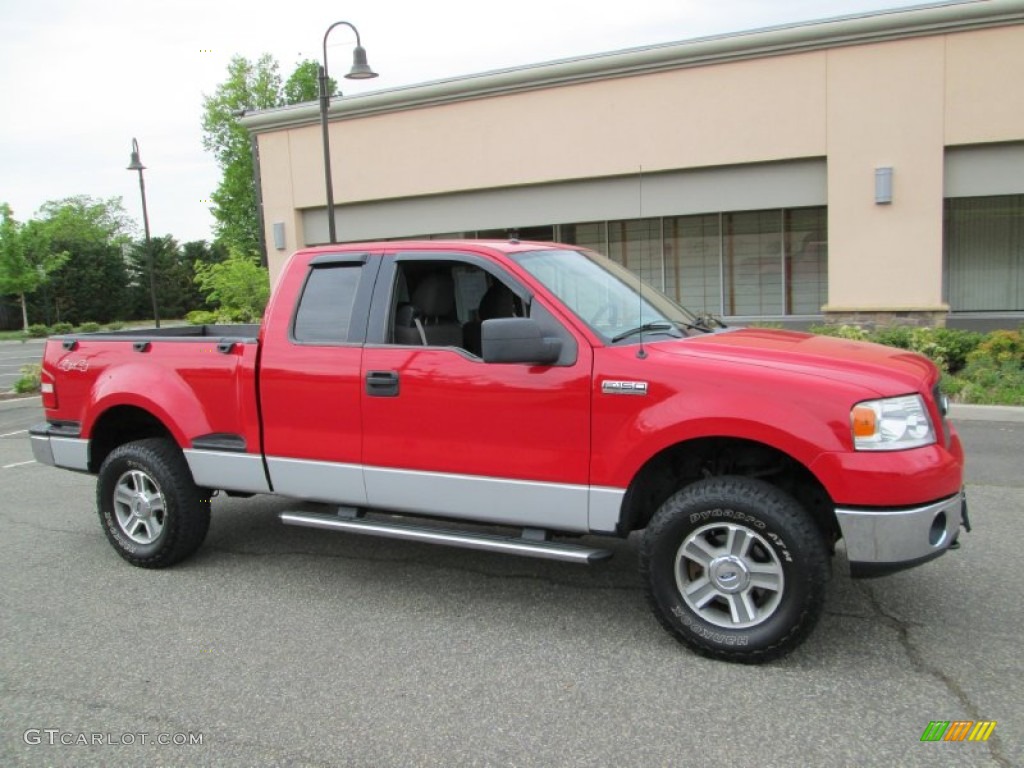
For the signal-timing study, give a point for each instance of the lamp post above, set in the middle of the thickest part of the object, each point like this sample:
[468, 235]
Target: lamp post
[360, 71]
[136, 165]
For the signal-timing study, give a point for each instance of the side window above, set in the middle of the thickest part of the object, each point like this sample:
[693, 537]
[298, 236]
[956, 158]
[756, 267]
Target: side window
[325, 307]
[443, 303]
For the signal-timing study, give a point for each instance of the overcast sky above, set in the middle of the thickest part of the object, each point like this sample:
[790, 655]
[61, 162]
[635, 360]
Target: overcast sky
[80, 78]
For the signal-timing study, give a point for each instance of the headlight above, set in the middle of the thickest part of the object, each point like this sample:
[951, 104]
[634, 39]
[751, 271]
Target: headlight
[892, 424]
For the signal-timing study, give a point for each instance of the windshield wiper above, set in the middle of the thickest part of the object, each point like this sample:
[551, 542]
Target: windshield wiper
[658, 326]
[704, 323]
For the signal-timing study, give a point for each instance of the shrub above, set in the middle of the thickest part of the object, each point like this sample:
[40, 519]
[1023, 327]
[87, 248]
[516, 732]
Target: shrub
[89, 327]
[1003, 385]
[38, 331]
[117, 325]
[201, 317]
[948, 347]
[239, 286]
[998, 348]
[852, 332]
[994, 373]
[30, 379]
[894, 336]
[59, 328]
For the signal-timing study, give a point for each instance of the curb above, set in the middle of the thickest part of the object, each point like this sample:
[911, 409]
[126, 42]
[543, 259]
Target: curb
[963, 412]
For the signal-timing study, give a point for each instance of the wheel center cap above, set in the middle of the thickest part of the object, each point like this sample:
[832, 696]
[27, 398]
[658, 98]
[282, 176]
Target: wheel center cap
[141, 507]
[729, 574]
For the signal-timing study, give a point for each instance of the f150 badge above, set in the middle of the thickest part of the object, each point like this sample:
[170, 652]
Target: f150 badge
[624, 387]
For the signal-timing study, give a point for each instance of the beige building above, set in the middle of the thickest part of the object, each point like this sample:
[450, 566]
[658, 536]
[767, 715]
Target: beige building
[868, 167]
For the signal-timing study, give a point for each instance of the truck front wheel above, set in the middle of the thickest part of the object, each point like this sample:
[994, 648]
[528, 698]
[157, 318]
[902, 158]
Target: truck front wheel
[150, 508]
[735, 568]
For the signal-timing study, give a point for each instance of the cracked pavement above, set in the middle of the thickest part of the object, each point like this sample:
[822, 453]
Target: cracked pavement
[291, 646]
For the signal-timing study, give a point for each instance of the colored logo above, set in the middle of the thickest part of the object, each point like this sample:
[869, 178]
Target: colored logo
[958, 730]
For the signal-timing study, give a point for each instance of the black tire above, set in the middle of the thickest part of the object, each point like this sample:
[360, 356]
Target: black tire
[751, 562]
[150, 508]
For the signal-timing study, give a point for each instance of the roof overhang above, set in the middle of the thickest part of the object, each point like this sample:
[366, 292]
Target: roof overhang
[917, 21]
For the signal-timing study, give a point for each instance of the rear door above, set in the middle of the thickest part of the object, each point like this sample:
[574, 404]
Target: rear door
[311, 383]
[446, 433]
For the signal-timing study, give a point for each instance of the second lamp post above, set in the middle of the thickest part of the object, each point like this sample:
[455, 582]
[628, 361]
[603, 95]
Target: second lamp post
[360, 71]
[136, 165]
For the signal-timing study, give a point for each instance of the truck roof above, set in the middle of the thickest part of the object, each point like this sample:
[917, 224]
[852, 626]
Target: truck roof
[501, 246]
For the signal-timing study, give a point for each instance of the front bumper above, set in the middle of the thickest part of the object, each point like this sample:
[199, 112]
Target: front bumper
[59, 446]
[881, 541]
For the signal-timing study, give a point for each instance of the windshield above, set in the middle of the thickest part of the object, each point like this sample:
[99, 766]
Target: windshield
[607, 296]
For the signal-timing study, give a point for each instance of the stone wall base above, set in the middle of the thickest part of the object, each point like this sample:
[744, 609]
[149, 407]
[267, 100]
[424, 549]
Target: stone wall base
[869, 320]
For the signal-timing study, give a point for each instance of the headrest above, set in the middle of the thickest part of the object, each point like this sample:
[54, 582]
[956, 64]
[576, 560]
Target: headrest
[435, 295]
[499, 301]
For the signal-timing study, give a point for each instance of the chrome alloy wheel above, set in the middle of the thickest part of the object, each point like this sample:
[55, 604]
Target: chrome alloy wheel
[729, 575]
[139, 506]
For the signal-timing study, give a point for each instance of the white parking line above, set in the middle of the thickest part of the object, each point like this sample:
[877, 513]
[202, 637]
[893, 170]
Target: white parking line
[12, 434]
[18, 464]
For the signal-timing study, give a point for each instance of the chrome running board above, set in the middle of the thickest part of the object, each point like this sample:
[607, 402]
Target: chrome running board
[532, 544]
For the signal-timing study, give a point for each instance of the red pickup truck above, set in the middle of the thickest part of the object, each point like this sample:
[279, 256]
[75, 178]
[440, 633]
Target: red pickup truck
[528, 394]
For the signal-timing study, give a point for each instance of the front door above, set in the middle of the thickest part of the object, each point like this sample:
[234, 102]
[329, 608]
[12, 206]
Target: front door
[446, 433]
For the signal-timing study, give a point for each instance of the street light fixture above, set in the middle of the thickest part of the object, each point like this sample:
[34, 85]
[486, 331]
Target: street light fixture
[360, 71]
[136, 165]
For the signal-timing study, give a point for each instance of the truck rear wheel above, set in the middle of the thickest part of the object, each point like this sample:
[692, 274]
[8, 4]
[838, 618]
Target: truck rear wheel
[735, 568]
[150, 508]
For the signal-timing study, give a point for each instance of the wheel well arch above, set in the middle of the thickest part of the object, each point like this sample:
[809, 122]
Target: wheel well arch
[119, 425]
[689, 461]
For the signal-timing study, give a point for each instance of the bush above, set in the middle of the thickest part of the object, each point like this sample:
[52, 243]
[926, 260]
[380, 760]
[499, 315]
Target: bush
[30, 379]
[239, 287]
[59, 328]
[894, 336]
[853, 332]
[117, 325]
[976, 368]
[947, 347]
[201, 317]
[994, 372]
[38, 331]
[998, 348]
[89, 327]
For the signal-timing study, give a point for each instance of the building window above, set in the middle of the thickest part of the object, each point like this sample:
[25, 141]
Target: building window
[984, 244]
[805, 235]
[752, 263]
[590, 235]
[636, 245]
[769, 263]
[693, 262]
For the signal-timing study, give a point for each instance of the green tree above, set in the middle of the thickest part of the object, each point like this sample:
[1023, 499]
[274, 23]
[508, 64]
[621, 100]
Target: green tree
[93, 283]
[249, 85]
[304, 83]
[239, 286]
[26, 258]
[204, 253]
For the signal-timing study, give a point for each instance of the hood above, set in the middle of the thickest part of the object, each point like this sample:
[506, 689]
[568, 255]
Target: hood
[883, 370]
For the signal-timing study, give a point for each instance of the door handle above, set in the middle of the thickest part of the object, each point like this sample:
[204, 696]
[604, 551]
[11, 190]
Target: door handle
[382, 383]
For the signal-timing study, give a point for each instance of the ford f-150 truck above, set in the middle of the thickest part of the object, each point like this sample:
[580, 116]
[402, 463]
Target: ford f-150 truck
[528, 394]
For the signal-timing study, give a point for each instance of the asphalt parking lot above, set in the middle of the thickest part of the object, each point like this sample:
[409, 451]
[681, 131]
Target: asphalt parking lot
[290, 646]
[14, 355]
